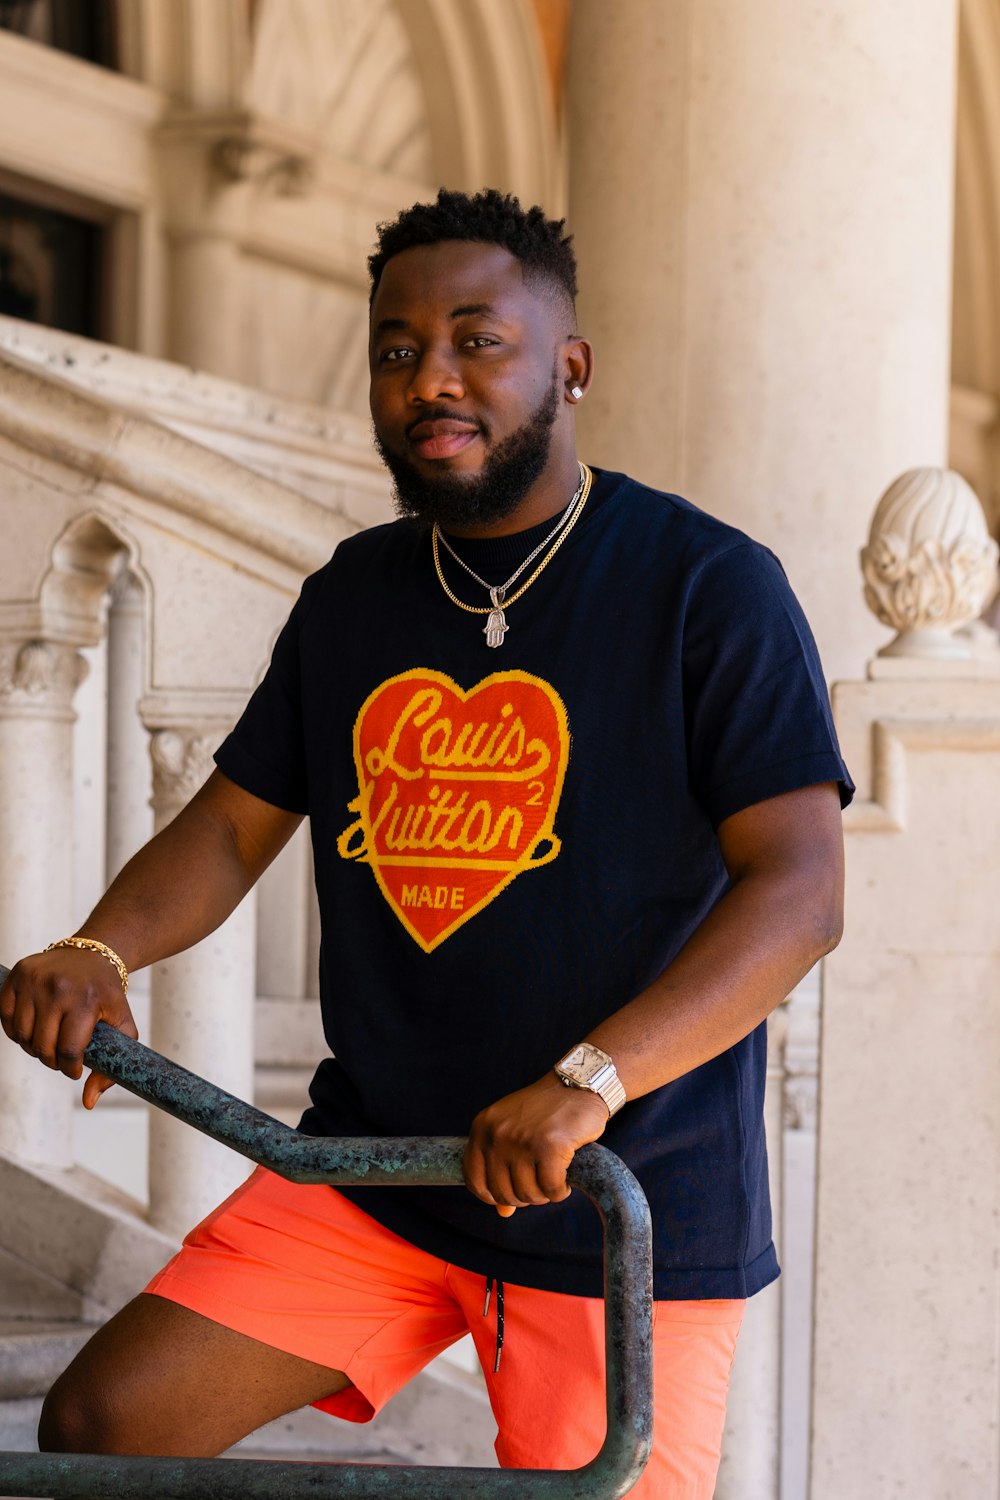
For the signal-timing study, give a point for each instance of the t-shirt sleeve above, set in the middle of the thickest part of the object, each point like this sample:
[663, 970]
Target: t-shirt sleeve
[265, 753]
[757, 710]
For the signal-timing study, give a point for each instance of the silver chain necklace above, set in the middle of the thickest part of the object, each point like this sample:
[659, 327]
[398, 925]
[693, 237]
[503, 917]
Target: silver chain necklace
[496, 626]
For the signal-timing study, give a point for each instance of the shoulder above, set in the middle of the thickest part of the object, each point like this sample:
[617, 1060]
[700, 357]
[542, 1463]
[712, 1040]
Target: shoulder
[377, 549]
[676, 535]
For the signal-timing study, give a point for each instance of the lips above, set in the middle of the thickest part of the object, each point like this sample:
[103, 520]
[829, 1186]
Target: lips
[441, 437]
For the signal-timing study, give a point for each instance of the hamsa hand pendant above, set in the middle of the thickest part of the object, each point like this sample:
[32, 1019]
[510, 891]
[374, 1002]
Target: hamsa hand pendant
[496, 627]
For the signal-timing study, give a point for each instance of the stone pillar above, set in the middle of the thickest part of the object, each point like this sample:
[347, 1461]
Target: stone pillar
[202, 1003]
[37, 682]
[751, 1447]
[761, 197]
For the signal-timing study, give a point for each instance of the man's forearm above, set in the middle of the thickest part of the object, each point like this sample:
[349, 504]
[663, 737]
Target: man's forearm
[782, 912]
[744, 959]
[179, 887]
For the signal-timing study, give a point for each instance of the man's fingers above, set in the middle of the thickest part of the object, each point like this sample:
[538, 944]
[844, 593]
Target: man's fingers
[552, 1180]
[474, 1169]
[7, 1002]
[23, 1024]
[525, 1181]
[95, 1086]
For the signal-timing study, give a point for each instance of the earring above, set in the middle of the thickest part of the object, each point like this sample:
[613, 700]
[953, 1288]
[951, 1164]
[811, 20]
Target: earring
[576, 393]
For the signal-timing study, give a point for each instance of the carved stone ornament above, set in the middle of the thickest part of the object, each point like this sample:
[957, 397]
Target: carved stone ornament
[40, 678]
[182, 763]
[930, 563]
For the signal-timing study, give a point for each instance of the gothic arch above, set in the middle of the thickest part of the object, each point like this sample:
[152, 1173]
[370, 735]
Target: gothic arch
[490, 111]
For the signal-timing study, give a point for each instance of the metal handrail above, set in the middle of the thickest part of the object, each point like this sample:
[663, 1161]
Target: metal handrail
[384, 1161]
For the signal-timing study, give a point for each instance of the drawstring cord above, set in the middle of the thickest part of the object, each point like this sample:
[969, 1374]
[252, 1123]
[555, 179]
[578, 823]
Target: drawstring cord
[486, 1308]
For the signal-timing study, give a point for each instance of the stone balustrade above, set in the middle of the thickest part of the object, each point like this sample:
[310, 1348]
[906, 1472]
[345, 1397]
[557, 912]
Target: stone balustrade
[152, 533]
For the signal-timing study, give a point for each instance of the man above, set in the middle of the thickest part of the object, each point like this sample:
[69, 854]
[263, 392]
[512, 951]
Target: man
[574, 803]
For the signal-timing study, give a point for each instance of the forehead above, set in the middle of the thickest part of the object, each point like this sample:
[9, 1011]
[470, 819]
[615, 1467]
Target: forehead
[455, 273]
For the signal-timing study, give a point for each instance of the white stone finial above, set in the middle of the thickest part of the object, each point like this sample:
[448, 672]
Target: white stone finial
[929, 564]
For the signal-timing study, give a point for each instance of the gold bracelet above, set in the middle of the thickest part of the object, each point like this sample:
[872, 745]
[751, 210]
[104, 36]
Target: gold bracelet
[95, 947]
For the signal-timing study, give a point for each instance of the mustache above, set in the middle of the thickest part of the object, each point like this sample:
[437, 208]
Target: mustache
[442, 414]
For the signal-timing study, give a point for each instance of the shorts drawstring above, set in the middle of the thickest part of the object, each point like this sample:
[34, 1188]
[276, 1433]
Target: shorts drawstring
[486, 1308]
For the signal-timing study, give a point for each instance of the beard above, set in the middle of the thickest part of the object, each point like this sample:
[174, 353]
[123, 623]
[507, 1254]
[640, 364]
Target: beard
[507, 474]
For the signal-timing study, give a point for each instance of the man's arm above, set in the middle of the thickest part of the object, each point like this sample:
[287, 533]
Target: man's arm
[784, 910]
[178, 888]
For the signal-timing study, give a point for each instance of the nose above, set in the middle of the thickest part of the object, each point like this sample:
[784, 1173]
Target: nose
[434, 374]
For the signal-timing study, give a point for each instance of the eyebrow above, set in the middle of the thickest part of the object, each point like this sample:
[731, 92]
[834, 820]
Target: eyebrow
[467, 310]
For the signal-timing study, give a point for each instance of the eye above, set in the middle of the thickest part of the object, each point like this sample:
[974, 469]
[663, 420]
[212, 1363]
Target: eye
[480, 341]
[393, 356]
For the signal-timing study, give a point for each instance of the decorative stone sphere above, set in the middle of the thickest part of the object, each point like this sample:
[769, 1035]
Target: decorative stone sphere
[930, 562]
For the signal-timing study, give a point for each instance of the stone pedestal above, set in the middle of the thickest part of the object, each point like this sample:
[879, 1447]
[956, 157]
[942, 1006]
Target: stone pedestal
[906, 1375]
[37, 681]
[202, 1010]
[761, 197]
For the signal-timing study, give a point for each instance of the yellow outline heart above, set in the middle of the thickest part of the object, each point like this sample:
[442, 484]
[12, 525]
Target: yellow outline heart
[365, 852]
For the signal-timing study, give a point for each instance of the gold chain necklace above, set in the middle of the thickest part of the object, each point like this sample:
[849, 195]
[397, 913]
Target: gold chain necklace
[496, 626]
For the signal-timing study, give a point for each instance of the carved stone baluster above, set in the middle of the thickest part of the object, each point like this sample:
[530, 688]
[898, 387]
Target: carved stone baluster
[202, 1007]
[38, 679]
[750, 1452]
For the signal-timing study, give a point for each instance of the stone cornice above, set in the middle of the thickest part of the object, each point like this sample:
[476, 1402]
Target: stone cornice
[97, 142]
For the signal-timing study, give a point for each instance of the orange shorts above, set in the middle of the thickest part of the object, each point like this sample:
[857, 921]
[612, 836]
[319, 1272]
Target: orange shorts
[304, 1270]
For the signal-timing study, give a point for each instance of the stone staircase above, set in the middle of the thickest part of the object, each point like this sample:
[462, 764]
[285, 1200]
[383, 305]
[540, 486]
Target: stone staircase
[41, 1330]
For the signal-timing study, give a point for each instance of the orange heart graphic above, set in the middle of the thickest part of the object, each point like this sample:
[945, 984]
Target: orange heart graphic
[457, 792]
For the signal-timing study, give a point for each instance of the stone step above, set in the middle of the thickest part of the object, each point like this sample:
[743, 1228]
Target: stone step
[28, 1293]
[431, 1421]
[19, 1424]
[34, 1352]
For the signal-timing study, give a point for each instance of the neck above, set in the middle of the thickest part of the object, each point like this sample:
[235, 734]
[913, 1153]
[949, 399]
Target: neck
[545, 500]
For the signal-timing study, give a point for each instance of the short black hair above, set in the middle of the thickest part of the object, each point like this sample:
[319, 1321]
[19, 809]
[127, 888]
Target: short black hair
[491, 217]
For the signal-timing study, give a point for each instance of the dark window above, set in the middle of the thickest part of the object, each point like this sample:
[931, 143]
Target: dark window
[50, 267]
[84, 27]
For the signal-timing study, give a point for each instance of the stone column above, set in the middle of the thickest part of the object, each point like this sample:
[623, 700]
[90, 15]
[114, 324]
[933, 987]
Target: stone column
[129, 821]
[37, 682]
[750, 1452]
[761, 197]
[202, 1004]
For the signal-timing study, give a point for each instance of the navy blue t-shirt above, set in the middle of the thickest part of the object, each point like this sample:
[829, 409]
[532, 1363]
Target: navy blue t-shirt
[511, 844]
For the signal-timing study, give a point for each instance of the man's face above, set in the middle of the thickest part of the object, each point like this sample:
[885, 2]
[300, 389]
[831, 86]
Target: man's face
[465, 380]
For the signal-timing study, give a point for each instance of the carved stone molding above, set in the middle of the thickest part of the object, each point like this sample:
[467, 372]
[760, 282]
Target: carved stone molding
[929, 564]
[888, 808]
[182, 763]
[38, 679]
[241, 158]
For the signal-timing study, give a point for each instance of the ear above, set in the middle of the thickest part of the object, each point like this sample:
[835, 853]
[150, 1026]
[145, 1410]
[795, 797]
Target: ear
[578, 369]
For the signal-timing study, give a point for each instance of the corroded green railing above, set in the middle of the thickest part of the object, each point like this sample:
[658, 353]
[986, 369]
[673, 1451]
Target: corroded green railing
[348, 1161]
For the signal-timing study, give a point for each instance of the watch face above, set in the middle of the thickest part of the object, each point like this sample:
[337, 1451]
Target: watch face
[582, 1063]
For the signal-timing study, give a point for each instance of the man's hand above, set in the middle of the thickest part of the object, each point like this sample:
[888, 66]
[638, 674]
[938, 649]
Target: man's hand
[520, 1148]
[51, 1003]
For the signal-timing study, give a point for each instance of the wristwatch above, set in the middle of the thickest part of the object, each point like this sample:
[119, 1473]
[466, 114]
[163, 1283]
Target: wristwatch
[587, 1067]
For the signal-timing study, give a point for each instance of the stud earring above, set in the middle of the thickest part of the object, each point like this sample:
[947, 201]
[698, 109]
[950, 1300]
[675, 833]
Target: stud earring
[576, 393]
